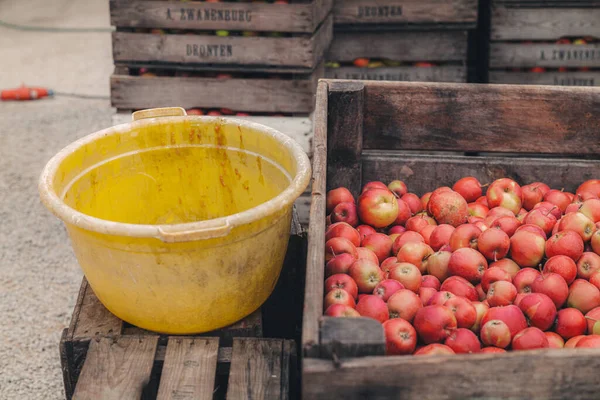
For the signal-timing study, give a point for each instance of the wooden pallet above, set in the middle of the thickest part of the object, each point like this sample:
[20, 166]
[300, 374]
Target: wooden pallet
[274, 328]
[367, 131]
[461, 13]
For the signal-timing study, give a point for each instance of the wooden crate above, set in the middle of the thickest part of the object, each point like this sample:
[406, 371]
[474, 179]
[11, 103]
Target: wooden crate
[286, 93]
[587, 78]
[438, 73]
[301, 51]
[366, 130]
[260, 346]
[383, 13]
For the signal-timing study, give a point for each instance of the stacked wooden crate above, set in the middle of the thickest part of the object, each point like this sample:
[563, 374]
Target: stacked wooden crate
[411, 40]
[549, 42]
[219, 58]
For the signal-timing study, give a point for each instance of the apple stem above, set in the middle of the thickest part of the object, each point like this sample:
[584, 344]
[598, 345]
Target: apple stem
[332, 252]
[485, 185]
[591, 319]
[552, 209]
[495, 255]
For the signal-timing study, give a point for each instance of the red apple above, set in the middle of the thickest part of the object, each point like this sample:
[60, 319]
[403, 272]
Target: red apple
[481, 309]
[437, 265]
[492, 275]
[495, 333]
[426, 293]
[591, 209]
[595, 279]
[532, 228]
[426, 233]
[337, 196]
[554, 340]
[498, 212]
[563, 266]
[342, 229]
[404, 213]
[366, 230]
[595, 242]
[527, 248]
[434, 349]
[524, 279]
[464, 312]
[342, 281]
[396, 230]
[587, 265]
[418, 222]
[406, 237]
[480, 292]
[372, 307]
[386, 288]
[464, 236]
[388, 264]
[469, 188]
[532, 194]
[398, 187]
[374, 185]
[416, 254]
[345, 212]
[340, 264]
[494, 243]
[400, 337]
[558, 198]
[553, 286]
[440, 298]
[404, 304]
[477, 210]
[567, 243]
[366, 274]
[570, 322]
[460, 287]
[529, 339]
[425, 200]
[367, 254]
[467, 263]
[337, 246]
[463, 341]
[341, 310]
[508, 265]
[413, 201]
[378, 207]
[338, 296]
[547, 207]
[583, 296]
[448, 207]
[571, 343]
[430, 281]
[591, 186]
[501, 293]
[590, 342]
[508, 224]
[505, 193]
[492, 350]
[579, 223]
[380, 244]
[510, 315]
[573, 207]
[434, 323]
[408, 275]
[542, 218]
[539, 310]
[592, 318]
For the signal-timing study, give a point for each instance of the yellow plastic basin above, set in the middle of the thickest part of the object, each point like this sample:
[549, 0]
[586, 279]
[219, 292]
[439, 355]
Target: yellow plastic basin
[180, 223]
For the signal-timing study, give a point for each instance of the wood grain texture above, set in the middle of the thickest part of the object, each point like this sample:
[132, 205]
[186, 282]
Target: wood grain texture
[424, 173]
[345, 135]
[91, 318]
[520, 55]
[256, 369]
[448, 73]
[405, 11]
[351, 337]
[399, 46]
[495, 118]
[543, 24]
[315, 271]
[546, 3]
[588, 78]
[116, 369]
[189, 369]
[540, 375]
[208, 16]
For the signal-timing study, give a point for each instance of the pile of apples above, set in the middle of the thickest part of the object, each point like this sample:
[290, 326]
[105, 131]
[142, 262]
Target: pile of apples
[460, 271]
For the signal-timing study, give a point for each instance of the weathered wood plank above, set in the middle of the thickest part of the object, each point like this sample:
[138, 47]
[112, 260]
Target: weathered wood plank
[189, 369]
[351, 337]
[540, 375]
[256, 369]
[520, 55]
[91, 318]
[227, 16]
[399, 46]
[116, 369]
[448, 73]
[495, 118]
[315, 273]
[547, 3]
[543, 24]
[588, 78]
[424, 173]
[405, 12]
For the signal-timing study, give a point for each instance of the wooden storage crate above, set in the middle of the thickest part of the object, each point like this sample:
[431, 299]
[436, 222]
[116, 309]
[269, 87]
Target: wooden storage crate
[365, 131]
[383, 13]
[524, 36]
[103, 357]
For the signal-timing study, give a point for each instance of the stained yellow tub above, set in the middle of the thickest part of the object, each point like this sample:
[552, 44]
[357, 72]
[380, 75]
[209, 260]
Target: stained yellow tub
[180, 223]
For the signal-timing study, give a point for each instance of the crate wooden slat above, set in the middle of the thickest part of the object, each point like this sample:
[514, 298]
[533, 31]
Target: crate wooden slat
[399, 46]
[519, 55]
[544, 24]
[300, 18]
[301, 51]
[442, 73]
[587, 78]
[405, 12]
[547, 3]
[364, 131]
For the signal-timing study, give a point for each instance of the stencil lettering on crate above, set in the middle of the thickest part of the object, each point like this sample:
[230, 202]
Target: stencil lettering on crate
[209, 50]
[400, 76]
[569, 81]
[191, 14]
[570, 54]
[379, 11]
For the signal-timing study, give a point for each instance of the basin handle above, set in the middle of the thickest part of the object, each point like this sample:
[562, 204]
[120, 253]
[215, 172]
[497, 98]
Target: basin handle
[158, 112]
[211, 231]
